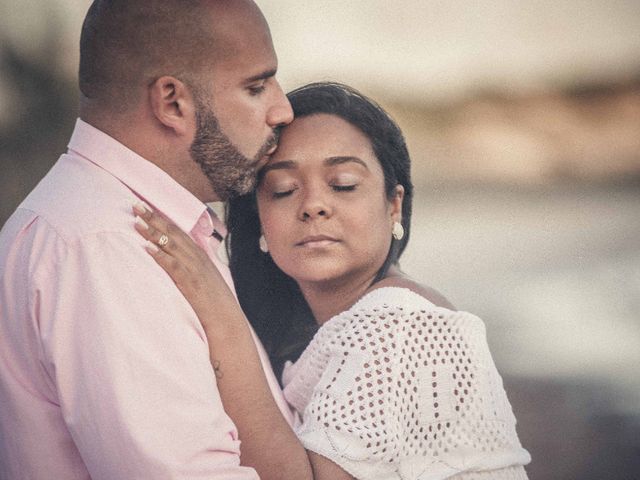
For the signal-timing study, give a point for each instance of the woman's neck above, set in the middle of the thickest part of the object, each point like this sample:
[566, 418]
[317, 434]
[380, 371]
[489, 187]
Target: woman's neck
[331, 298]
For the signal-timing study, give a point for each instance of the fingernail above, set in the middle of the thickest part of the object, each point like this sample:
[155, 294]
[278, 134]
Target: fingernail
[142, 223]
[151, 247]
[141, 207]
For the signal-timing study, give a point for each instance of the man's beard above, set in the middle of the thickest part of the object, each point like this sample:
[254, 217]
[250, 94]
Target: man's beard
[230, 173]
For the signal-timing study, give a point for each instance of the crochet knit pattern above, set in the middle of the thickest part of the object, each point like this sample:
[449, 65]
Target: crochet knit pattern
[397, 388]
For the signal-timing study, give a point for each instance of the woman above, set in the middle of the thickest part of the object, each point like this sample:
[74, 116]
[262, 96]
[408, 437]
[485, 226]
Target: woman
[388, 380]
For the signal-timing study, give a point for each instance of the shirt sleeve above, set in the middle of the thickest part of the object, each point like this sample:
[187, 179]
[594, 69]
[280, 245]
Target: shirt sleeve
[130, 365]
[412, 394]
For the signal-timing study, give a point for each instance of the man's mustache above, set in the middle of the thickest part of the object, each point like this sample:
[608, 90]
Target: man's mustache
[273, 140]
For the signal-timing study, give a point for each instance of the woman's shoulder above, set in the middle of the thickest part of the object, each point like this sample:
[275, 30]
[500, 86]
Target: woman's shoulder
[403, 292]
[401, 306]
[391, 308]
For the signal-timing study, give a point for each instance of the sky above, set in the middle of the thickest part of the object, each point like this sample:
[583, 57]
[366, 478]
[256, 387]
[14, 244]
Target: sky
[435, 48]
[417, 49]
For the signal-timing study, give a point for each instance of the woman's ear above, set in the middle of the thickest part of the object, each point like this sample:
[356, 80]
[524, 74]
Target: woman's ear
[396, 204]
[172, 104]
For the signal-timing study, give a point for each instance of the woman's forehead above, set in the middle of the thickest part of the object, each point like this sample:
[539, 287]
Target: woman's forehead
[321, 136]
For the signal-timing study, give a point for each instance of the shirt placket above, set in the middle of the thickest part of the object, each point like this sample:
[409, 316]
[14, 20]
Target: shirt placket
[204, 236]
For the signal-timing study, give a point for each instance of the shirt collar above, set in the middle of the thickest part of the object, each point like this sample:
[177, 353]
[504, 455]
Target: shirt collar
[152, 184]
[219, 228]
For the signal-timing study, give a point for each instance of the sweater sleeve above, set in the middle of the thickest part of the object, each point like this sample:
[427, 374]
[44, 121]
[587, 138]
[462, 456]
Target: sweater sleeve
[412, 393]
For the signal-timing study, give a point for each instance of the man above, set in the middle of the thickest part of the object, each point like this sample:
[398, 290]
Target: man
[104, 368]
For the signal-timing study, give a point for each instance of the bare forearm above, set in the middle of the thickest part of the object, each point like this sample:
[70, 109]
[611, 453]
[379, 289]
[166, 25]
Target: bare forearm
[268, 443]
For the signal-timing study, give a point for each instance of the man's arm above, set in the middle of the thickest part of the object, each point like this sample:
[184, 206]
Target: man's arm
[131, 366]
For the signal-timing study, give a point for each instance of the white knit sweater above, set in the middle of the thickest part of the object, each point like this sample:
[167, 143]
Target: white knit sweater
[398, 388]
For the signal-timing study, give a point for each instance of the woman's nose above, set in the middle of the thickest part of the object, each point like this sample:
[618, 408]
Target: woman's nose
[314, 212]
[314, 207]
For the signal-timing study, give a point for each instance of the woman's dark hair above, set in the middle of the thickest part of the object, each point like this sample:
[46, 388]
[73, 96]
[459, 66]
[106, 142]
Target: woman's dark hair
[271, 299]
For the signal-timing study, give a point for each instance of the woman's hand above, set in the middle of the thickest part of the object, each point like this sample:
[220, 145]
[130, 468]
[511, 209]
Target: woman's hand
[240, 377]
[187, 264]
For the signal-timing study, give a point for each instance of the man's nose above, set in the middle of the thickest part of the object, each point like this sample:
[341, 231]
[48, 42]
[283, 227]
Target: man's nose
[280, 113]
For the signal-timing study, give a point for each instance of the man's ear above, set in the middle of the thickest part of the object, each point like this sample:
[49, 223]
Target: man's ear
[396, 204]
[172, 104]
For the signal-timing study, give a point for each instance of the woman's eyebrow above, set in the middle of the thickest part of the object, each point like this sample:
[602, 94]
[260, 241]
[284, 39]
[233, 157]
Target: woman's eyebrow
[283, 164]
[331, 161]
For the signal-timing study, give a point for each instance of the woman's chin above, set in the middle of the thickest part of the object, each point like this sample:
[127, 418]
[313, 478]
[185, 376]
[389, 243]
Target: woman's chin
[334, 280]
[324, 271]
[312, 268]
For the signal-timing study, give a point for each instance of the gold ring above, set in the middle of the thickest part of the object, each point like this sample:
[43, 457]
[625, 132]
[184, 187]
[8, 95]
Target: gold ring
[163, 240]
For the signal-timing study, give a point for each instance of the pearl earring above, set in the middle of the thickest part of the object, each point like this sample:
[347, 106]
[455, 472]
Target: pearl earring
[397, 231]
[262, 243]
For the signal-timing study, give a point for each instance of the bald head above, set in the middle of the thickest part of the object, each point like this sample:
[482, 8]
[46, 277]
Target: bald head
[126, 44]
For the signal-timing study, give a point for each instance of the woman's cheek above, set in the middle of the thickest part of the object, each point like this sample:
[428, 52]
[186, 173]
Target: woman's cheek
[275, 230]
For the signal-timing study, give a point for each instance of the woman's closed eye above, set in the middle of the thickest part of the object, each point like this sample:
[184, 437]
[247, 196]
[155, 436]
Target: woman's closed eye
[283, 192]
[344, 182]
[344, 188]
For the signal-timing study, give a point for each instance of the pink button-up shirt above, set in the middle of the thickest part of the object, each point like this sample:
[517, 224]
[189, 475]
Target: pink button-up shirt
[104, 366]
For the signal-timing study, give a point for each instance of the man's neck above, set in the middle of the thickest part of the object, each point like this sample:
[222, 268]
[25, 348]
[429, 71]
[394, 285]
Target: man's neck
[139, 135]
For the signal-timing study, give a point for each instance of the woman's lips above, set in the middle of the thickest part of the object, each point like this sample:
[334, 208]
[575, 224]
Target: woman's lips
[316, 241]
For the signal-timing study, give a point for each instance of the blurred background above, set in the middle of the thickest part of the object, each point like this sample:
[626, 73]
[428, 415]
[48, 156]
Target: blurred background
[523, 121]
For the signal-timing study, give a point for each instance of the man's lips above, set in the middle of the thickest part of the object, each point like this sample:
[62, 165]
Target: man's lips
[264, 159]
[272, 150]
[261, 161]
[316, 241]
